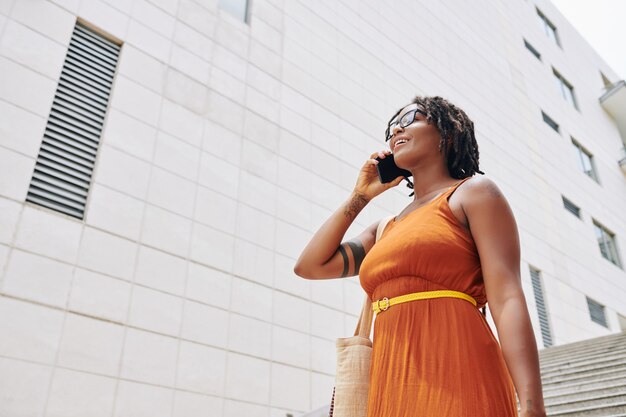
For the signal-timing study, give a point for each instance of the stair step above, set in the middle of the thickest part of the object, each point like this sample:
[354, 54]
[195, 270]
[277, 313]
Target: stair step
[599, 342]
[616, 415]
[615, 350]
[619, 409]
[594, 376]
[546, 365]
[602, 400]
[599, 339]
[573, 373]
[569, 370]
[582, 350]
[582, 386]
[580, 395]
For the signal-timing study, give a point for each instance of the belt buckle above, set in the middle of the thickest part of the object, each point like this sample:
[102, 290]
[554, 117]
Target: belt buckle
[386, 300]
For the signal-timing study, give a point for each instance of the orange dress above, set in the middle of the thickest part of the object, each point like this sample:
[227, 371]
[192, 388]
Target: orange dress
[435, 357]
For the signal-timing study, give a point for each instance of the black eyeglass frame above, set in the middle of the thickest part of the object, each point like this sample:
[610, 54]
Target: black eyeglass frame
[392, 125]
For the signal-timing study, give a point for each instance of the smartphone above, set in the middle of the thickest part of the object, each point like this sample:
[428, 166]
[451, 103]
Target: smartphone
[388, 170]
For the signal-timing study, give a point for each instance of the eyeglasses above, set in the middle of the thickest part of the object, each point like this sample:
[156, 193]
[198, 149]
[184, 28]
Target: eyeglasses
[405, 120]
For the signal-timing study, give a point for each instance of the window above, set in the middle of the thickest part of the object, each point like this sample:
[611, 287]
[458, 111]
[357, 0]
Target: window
[238, 8]
[596, 311]
[554, 125]
[585, 160]
[70, 143]
[565, 88]
[605, 81]
[548, 27]
[606, 241]
[532, 50]
[542, 311]
[571, 207]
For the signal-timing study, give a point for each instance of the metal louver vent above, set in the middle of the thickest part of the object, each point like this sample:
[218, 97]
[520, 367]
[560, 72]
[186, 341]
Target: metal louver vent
[68, 152]
[596, 310]
[571, 207]
[542, 310]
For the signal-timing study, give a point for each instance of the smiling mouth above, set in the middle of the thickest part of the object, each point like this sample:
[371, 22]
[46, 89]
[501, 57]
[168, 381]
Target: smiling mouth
[399, 144]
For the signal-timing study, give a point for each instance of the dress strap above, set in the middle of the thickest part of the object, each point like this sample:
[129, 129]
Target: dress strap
[455, 186]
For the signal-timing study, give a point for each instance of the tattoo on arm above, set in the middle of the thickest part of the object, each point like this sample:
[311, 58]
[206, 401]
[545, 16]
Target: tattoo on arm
[355, 206]
[529, 405]
[345, 261]
[359, 254]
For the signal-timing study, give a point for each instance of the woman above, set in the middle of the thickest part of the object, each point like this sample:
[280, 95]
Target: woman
[437, 356]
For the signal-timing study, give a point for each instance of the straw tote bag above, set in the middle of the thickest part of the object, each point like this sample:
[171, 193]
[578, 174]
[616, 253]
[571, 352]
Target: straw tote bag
[353, 362]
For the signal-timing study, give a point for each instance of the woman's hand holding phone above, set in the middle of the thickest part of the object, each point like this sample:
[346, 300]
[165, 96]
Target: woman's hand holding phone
[368, 183]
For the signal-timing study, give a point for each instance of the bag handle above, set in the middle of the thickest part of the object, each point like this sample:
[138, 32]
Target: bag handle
[381, 226]
[364, 325]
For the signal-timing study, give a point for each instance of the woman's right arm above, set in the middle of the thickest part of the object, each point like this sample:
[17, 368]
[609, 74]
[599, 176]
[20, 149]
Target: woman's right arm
[326, 256]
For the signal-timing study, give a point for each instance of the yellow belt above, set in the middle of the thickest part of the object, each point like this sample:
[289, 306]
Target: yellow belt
[386, 302]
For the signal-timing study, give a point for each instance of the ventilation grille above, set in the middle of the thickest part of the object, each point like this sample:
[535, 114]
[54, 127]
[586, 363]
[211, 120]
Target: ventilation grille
[571, 207]
[68, 152]
[546, 334]
[596, 310]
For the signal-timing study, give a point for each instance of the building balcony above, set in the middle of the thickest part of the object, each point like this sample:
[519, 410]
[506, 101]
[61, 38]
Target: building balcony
[614, 102]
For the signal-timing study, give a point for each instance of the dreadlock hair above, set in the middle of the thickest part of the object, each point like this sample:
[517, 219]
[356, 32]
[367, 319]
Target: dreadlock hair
[454, 126]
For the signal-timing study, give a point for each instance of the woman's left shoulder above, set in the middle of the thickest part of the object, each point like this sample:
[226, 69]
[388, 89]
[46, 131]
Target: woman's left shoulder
[479, 188]
[480, 183]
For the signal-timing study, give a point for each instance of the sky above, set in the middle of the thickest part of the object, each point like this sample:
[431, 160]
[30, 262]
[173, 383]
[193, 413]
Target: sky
[603, 24]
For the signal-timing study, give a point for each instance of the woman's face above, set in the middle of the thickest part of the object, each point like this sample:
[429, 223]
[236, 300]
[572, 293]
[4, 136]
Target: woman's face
[417, 141]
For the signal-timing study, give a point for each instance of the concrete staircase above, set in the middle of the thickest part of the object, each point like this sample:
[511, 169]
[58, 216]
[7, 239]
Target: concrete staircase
[586, 378]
